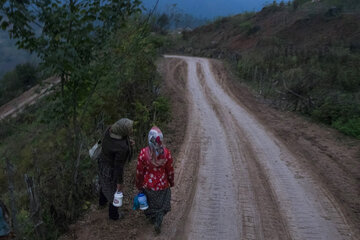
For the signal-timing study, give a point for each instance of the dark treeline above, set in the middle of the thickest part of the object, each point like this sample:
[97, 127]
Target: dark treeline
[15, 82]
[173, 18]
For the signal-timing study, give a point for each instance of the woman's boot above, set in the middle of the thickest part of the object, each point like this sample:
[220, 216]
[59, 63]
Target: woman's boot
[158, 222]
[102, 199]
[113, 212]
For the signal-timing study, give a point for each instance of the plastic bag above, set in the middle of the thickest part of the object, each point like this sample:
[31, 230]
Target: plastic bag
[95, 151]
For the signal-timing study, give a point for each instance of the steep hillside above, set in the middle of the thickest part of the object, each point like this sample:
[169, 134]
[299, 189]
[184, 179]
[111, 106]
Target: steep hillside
[313, 25]
[303, 56]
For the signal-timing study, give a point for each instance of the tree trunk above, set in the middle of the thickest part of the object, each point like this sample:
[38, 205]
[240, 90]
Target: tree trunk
[34, 207]
[11, 188]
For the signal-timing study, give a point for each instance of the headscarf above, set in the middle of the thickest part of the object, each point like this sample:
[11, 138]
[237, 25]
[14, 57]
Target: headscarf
[121, 129]
[155, 140]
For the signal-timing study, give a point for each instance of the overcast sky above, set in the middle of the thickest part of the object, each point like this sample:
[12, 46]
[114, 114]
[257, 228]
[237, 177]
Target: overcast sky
[211, 8]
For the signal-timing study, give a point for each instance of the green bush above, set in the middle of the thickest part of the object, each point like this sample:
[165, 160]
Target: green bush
[245, 26]
[344, 4]
[253, 30]
[297, 3]
[325, 87]
[350, 127]
[27, 228]
[162, 113]
[243, 17]
[15, 82]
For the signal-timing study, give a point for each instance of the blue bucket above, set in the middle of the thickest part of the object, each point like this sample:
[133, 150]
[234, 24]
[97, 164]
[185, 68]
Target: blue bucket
[142, 201]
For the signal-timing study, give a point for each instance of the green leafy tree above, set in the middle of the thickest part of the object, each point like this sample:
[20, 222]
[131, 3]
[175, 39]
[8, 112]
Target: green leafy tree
[163, 21]
[68, 37]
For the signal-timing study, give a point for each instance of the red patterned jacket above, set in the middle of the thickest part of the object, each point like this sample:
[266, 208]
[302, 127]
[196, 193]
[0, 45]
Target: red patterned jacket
[154, 177]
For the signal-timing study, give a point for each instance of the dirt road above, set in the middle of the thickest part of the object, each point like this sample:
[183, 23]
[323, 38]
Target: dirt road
[243, 170]
[248, 184]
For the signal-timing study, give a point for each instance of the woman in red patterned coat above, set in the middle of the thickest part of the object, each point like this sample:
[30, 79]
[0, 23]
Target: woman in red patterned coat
[155, 176]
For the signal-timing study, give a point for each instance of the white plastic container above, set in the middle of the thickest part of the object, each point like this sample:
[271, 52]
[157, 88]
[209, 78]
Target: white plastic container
[118, 197]
[142, 201]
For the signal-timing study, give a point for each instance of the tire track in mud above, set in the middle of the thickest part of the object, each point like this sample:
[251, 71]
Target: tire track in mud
[256, 195]
[309, 210]
[213, 213]
[226, 201]
[250, 218]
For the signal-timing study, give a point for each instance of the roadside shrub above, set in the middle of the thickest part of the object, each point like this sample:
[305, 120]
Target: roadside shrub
[349, 78]
[24, 221]
[344, 4]
[271, 8]
[253, 30]
[245, 26]
[161, 110]
[350, 127]
[241, 20]
[325, 87]
[27, 73]
[242, 17]
[219, 21]
[15, 82]
[297, 3]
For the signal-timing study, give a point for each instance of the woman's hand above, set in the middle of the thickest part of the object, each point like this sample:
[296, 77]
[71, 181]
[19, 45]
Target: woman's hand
[132, 142]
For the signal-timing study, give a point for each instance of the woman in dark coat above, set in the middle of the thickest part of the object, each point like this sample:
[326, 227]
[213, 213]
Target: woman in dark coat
[155, 176]
[116, 150]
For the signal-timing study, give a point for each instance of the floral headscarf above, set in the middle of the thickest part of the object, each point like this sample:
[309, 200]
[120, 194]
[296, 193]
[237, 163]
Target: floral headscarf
[155, 140]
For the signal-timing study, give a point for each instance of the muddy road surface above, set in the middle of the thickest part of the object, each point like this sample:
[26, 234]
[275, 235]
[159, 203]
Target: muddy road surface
[243, 170]
[246, 184]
